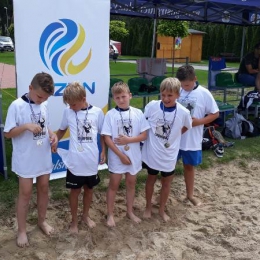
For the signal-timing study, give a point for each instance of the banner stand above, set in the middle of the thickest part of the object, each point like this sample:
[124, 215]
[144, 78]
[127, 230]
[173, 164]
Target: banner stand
[3, 167]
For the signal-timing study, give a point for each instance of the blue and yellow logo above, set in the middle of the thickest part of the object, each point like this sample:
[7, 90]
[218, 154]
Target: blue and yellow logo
[59, 43]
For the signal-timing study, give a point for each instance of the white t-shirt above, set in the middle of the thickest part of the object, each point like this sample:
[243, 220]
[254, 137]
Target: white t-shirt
[113, 126]
[82, 158]
[200, 102]
[31, 155]
[165, 128]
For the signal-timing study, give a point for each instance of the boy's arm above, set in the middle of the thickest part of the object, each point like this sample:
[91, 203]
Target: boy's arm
[60, 133]
[109, 142]
[124, 139]
[103, 150]
[205, 120]
[34, 128]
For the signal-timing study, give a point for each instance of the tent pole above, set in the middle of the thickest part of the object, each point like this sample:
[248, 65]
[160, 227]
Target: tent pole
[243, 43]
[154, 31]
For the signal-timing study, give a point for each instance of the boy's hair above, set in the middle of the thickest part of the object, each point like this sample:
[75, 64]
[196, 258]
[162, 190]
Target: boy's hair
[170, 84]
[185, 72]
[44, 81]
[120, 87]
[74, 92]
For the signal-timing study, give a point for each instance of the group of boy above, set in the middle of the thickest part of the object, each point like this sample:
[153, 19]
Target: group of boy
[169, 129]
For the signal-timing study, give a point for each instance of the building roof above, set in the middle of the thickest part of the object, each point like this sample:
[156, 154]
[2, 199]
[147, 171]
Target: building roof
[192, 31]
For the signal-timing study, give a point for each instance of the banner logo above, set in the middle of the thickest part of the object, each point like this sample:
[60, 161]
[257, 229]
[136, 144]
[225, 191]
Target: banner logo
[59, 43]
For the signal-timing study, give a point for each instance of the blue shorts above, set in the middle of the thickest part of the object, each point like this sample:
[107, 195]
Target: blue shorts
[193, 158]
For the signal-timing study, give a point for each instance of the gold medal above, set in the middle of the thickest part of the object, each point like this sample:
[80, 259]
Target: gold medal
[39, 142]
[166, 145]
[126, 147]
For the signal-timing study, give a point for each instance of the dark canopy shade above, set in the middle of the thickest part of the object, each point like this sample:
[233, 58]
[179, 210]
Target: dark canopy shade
[236, 12]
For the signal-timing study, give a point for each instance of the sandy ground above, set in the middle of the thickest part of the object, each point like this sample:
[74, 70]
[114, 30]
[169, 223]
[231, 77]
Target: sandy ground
[227, 226]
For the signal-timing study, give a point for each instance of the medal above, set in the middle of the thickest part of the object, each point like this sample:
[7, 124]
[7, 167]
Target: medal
[39, 142]
[80, 149]
[166, 145]
[126, 147]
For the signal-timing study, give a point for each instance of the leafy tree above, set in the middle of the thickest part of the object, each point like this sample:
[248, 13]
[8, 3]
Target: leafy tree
[173, 28]
[238, 40]
[117, 30]
[219, 43]
[205, 43]
[230, 36]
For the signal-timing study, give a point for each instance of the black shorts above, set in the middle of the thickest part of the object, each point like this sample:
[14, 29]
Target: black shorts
[155, 172]
[76, 182]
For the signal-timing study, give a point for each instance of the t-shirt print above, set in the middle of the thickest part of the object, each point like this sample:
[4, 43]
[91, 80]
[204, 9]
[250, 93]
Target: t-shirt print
[40, 120]
[85, 131]
[189, 103]
[125, 127]
[162, 129]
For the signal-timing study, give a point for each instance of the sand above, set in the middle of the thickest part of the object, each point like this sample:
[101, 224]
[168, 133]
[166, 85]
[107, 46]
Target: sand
[227, 226]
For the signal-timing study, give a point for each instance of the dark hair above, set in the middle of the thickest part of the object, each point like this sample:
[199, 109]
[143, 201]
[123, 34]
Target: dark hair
[257, 46]
[44, 81]
[185, 72]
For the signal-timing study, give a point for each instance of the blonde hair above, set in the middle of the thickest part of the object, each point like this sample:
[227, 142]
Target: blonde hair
[120, 87]
[74, 92]
[171, 85]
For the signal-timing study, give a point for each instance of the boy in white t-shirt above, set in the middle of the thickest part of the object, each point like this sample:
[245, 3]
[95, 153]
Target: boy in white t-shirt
[203, 108]
[84, 122]
[168, 120]
[27, 123]
[124, 128]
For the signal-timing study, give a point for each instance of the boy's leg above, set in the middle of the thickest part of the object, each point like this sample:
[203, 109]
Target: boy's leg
[165, 191]
[25, 192]
[42, 186]
[130, 195]
[87, 199]
[189, 175]
[114, 182]
[149, 187]
[73, 199]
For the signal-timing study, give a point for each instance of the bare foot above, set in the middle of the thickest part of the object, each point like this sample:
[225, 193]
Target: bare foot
[164, 216]
[133, 217]
[90, 223]
[147, 213]
[195, 201]
[46, 228]
[22, 239]
[73, 229]
[110, 221]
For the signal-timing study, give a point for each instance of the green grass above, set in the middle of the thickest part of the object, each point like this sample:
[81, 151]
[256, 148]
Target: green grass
[243, 150]
[7, 57]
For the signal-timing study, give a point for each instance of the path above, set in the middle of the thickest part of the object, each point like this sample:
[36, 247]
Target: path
[7, 76]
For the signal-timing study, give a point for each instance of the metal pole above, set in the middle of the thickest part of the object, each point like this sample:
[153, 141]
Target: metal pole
[154, 32]
[7, 33]
[243, 44]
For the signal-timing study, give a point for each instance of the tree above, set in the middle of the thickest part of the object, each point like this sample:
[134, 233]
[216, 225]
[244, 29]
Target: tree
[117, 30]
[173, 28]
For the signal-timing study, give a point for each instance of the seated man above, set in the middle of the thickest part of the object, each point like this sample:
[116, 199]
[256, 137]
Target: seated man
[249, 69]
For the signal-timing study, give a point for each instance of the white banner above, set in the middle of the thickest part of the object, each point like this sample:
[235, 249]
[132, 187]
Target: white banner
[68, 39]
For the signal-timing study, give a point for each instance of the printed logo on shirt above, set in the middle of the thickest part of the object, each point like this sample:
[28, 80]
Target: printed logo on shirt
[39, 119]
[189, 103]
[125, 127]
[162, 130]
[85, 132]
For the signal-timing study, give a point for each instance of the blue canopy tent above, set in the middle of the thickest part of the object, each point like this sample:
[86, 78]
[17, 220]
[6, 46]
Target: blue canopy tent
[234, 12]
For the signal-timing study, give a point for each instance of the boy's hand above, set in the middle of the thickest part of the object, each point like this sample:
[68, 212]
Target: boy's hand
[124, 159]
[34, 128]
[102, 158]
[121, 140]
[53, 139]
[54, 143]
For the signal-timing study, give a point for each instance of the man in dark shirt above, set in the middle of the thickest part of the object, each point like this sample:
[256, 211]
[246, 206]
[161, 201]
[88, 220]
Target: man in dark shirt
[249, 69]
